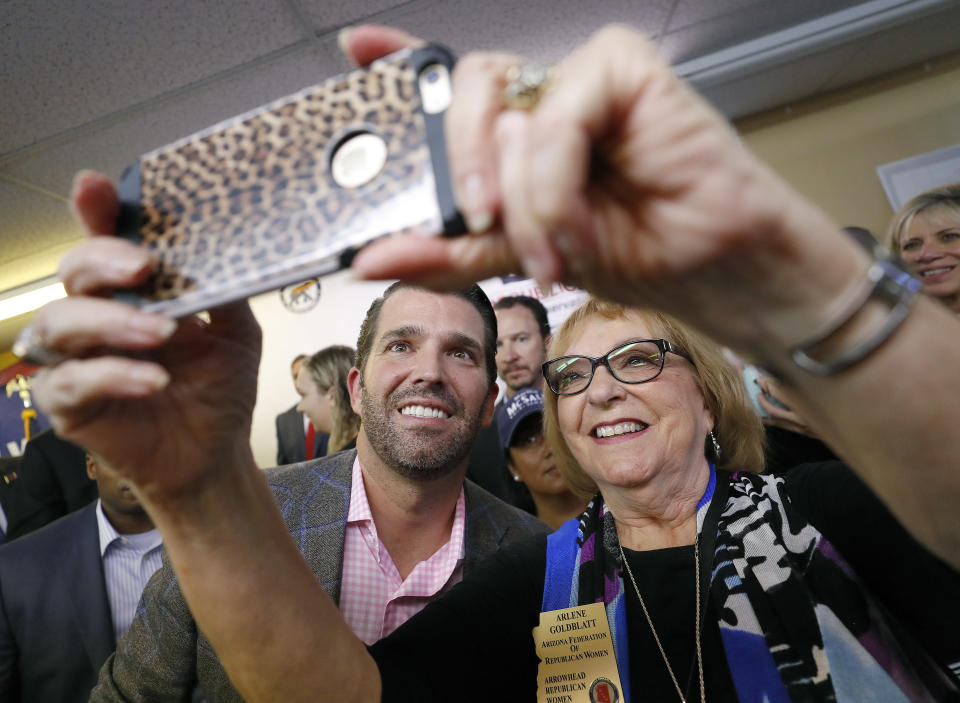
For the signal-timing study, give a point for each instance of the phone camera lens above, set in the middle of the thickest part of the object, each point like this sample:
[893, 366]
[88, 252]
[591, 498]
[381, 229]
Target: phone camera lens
[433, 75]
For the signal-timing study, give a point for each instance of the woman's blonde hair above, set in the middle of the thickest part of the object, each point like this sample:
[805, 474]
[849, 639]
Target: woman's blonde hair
[329, 368]
[737, 427]
[943, 198]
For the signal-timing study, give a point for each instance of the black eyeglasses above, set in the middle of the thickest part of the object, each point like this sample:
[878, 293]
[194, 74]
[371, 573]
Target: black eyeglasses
[638, 361]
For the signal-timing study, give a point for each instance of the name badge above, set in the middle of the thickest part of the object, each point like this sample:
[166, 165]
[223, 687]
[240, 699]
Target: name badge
[577, 663]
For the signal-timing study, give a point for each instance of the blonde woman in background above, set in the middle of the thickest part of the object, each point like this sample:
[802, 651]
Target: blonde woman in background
[325, 400]
[926, 234]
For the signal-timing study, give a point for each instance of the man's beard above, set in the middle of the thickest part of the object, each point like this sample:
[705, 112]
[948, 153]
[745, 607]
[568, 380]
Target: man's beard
[416, 455]
[526, 381]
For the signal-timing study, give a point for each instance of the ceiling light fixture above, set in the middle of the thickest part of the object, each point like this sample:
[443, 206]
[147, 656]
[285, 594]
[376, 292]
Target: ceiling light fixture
[28, 298]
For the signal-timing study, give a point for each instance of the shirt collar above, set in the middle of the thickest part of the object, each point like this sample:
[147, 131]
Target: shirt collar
[109, 535]
[107, 532]
[359, 510]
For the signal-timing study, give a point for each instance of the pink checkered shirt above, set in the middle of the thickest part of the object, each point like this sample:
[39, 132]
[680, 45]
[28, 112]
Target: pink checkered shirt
[374, 600]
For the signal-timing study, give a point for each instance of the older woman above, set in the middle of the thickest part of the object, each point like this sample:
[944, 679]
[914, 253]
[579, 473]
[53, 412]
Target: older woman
[325, 399]
[715, 583]
[926, 233]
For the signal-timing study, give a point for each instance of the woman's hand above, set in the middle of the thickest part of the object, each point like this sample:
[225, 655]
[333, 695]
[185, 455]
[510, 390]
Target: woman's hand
[625, 182]
[161, 401]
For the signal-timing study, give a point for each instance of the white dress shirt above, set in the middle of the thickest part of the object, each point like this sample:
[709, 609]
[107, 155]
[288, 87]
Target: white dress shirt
[128, 563]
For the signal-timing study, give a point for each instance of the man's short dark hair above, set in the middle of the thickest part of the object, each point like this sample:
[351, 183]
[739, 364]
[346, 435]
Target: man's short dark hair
[472, 294]
[533, 305]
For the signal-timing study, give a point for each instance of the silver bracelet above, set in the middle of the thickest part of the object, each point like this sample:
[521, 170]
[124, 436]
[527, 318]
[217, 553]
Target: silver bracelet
[886, 282]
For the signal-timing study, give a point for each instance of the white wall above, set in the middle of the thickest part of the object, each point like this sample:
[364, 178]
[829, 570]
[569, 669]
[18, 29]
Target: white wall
[335, 320]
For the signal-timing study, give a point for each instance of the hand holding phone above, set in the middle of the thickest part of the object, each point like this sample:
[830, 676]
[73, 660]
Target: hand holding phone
[291, 190]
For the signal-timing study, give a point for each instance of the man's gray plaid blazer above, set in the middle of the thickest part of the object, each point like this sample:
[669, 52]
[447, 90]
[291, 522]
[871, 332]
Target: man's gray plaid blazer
[163, 657]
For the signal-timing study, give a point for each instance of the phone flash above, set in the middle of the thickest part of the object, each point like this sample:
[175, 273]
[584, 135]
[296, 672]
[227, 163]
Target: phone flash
[435, 90]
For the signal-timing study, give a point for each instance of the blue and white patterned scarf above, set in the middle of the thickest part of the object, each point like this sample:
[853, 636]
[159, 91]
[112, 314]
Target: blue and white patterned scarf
[796, 624]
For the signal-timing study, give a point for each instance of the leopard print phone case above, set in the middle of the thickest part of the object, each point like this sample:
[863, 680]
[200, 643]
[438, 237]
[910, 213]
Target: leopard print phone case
[252, 204]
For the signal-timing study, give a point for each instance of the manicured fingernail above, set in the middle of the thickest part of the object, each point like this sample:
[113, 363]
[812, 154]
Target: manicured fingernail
[343, 39]
[149, 378]
[367, 261]
[128, 265]
[473, 197]
[479, 223]
[81, 176]
[153, 325]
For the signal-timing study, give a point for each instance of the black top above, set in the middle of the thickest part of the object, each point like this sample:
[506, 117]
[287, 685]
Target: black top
[665, 578]
[476, 643]
[784, 449]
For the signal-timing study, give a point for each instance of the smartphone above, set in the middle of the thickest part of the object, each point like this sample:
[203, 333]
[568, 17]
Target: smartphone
[750, 376]
[291, 190]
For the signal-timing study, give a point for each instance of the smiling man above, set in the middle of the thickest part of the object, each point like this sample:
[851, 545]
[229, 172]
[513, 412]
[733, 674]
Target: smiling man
[385, 528]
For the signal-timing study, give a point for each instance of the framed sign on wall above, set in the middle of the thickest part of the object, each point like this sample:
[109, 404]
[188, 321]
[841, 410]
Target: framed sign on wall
[909, 177]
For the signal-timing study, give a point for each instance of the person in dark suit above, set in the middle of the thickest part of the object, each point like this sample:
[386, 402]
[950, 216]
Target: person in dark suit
[52, 474]
[64, 596]
[292, 429]
[14, 501]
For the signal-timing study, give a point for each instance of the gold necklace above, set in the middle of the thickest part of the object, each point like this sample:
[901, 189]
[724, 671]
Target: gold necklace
[696, 569]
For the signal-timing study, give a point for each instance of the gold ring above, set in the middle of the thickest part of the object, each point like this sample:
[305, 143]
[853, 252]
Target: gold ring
[526, 84]
[32, 348]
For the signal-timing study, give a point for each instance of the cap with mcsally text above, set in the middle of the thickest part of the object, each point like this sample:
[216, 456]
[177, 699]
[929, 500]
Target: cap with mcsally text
[514, 410]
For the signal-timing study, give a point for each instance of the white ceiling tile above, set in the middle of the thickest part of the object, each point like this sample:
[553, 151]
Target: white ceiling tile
[325, 16]
[542, 30]
[111, 146]
[34, 231]
[65, 63]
